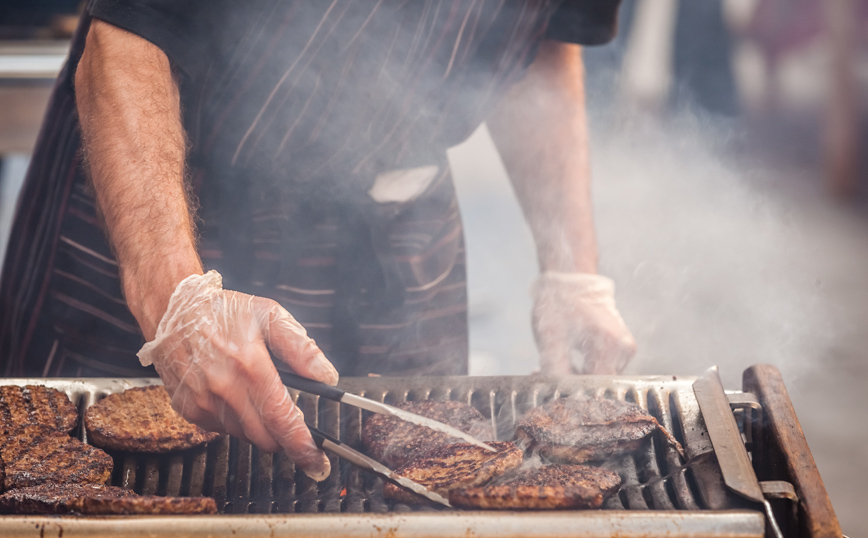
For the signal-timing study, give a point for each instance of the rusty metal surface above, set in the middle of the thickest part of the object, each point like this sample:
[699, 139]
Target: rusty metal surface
[786, 455]
[779, 489]
[730, 524]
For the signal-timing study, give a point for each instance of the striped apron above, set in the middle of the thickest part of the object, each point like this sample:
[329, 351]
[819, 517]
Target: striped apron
[294, 123]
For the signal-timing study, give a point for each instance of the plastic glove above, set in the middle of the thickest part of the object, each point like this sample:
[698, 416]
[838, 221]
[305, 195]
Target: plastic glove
[211, 351]
[577, 327]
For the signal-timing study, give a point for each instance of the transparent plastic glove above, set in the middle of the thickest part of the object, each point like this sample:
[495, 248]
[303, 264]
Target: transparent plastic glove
[211, 351]
[578, 328]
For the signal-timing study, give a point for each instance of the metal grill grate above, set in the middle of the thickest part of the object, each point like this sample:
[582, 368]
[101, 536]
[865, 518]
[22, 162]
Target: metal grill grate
[245, 480]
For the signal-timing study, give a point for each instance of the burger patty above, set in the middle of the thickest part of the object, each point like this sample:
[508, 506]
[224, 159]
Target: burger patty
[34, 454]
[455, 466]
[150, 505]
[543, 488]
[95, 499]
[396, 442]
[36, 404]
[141, 419]
[581, 430]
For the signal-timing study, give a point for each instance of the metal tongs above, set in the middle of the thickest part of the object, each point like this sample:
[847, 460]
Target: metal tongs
[342, 396]
[330, 444]
[333, 445]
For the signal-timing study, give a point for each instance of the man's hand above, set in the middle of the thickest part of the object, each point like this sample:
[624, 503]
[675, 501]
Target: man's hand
[577, 327]
[210, 346]
[212, 353]
[541, 133]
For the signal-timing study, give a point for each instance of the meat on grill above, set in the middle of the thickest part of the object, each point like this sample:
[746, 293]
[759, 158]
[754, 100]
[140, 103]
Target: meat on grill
[141, 419]
[542, 488]
[150, 505]
[36, 404]
[455, 466]
[396, 442]
[580, 430]
[95, 499]
[35, 454]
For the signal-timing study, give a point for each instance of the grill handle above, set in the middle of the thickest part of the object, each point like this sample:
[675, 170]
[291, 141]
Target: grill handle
[785, 442]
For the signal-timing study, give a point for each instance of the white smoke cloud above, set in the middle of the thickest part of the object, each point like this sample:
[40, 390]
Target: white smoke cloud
[712, 260]
[711, 267]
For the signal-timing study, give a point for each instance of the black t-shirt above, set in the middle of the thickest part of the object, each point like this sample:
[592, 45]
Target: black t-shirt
[307, 91]
[185, 28]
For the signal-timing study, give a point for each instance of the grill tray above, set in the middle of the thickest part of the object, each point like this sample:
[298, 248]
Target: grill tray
[659, 492]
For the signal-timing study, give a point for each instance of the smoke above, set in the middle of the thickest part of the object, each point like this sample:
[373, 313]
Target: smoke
[530, 462]
[710, 262]
[713, 254]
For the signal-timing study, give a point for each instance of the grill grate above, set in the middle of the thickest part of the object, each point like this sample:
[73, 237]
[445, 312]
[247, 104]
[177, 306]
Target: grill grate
[245, 480]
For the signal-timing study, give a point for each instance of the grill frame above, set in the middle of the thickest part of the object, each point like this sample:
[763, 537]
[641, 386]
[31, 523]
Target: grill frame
[250, 473]
[720, 524]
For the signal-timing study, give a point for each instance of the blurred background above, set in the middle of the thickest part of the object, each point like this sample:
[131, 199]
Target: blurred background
[730, 188]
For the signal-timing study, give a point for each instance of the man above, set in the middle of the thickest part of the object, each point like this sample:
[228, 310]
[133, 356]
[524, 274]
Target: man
[313, 136]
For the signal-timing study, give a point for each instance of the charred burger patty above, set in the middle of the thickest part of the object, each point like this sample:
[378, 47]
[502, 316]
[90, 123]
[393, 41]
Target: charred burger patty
[142, 420]
[34, 454]
[455, 466]
[96, 499]
[396, 442]
[35, 404]
[542, 488]
[580, 430]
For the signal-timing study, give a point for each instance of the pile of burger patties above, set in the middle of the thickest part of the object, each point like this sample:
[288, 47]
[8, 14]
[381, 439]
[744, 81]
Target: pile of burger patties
[44, 470]
[565, 441]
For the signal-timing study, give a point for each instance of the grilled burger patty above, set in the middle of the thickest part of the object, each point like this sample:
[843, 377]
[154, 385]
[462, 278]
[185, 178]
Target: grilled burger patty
[56, 498]
[580, 430]
[455, 466]
[35, 454]
[396, 442]
[542, 488]
[142, 420]
[36, 404]
[95, 499]
[150, 505]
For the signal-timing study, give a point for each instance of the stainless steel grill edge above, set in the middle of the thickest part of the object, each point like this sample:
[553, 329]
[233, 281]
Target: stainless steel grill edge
[262, 494]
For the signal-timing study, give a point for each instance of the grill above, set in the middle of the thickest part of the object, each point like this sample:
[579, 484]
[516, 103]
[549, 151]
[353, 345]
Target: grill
[262, 494]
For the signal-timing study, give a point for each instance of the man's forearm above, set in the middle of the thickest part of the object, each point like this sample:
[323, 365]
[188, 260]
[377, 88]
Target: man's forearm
[129, 110]
[541, 134]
